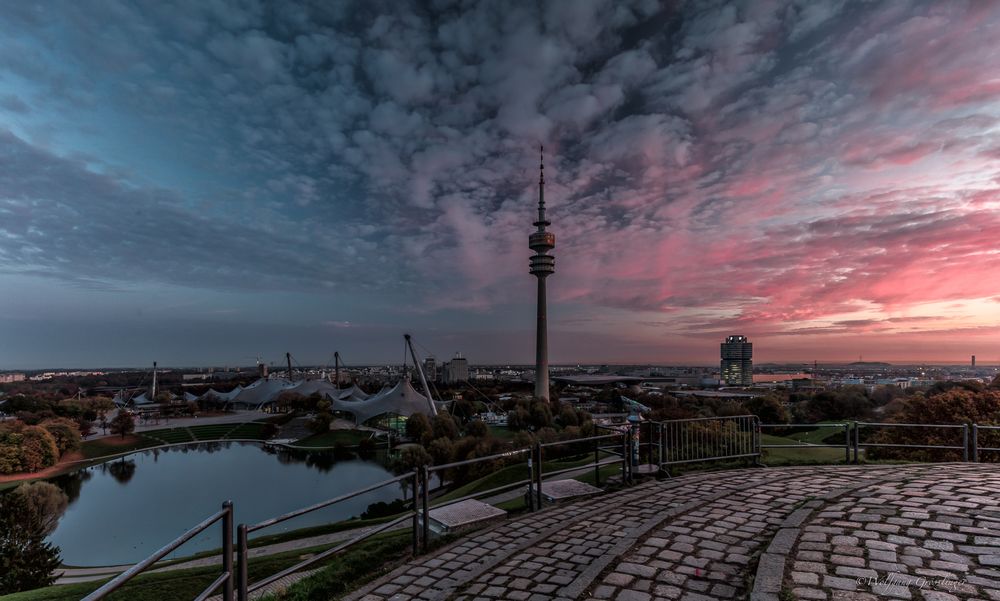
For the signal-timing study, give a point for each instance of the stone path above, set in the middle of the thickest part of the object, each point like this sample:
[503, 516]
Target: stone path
[923, 532]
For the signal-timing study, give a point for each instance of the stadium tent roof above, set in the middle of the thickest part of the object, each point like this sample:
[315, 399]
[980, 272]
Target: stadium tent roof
[221, 396]
[262, 392]
[308, 387]
[401, 399]
[350, 394]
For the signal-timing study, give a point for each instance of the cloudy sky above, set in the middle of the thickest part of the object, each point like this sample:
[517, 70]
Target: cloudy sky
[205, 181]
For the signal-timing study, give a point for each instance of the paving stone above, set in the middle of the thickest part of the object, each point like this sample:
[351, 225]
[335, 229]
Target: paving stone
[703, 536]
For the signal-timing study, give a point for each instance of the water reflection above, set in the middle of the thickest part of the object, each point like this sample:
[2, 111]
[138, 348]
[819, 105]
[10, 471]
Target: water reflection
[123, 510]
[122, 469]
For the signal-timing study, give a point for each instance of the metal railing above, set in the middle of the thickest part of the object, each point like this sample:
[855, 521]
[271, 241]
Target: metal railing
[976, 448]
[534, 470]
[858, 445]
[225, 579]
[666, 443]
[244, 588]
[846, 445]
[706, 439]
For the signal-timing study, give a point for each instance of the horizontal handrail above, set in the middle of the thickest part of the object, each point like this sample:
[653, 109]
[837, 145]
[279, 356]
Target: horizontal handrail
[205, 594]
[119, 580]
[445, 466]
[586, 466]
[801, 425]
[889, 445]
[900, 425]
[576, 440]
[702, 419]
[484, 493]
[804, 445]
[298, 512]
[325, 554]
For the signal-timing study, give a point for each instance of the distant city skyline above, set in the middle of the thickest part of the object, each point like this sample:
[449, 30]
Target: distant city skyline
[201, 183]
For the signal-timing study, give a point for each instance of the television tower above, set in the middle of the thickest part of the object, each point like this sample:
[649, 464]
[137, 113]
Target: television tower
[542, 266]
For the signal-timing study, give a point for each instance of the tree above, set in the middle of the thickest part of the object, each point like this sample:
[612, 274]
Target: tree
[25, 448]
[320, 423]
[441, 450]
[26, 560]
[568, 417]
[768, 408]
[123, 424]
[65, 432]
[541, 415]
[463, 410]
[412, 457]
[46, 502]
[518, 419]
[444, 426]
[416, 426]
[477, 428]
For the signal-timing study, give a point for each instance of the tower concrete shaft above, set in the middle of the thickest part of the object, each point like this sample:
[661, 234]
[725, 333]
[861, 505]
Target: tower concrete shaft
[542, 265]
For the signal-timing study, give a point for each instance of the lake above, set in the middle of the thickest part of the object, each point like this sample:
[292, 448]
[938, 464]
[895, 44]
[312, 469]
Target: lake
[123, 510]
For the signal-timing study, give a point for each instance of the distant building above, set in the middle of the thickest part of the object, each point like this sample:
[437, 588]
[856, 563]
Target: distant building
[430, 369]
[8, 378]
[456, 370]
[737, 361]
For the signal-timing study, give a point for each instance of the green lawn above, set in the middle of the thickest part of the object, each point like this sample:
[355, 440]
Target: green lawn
[328, 439]
[501, 432]
[165, 586]
[93, 449]
[812, 434]
[349, 570]
[512, 474]
[803, 455]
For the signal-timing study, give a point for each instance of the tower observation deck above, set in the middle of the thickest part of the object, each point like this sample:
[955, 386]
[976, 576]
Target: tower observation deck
[542, 265]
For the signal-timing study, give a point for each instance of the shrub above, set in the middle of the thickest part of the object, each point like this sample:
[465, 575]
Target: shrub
[26, 448]
[65, 432]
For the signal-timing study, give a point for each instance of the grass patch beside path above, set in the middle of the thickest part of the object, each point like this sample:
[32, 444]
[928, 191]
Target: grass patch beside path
[356, 566]
[333, 437]
[101, 447]
[501, 432]
[802, 455]
[512, 474]
[164, 586]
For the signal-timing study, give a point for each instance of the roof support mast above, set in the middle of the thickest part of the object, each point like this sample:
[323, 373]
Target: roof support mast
[423, 378]
[336, 369]
[288, 357]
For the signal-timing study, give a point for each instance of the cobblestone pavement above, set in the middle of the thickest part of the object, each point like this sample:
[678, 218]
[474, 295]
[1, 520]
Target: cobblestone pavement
[830, 532]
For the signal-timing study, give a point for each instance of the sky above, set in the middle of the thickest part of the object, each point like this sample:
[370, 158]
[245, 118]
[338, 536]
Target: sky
[202, 182]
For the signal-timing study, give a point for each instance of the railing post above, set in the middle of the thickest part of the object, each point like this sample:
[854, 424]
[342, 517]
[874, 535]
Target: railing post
[659, 441]
[531, 479]
[416, 513]
[857, 436]
[241, 575]
[538, 470]
[227, 550]
[597, 459]
[847, 442]
[424, 494]
[965, 442]
[975, 443]
[625, 458]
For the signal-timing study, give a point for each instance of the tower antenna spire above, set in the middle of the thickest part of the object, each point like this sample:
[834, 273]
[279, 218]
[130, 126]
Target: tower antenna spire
[542, 265]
